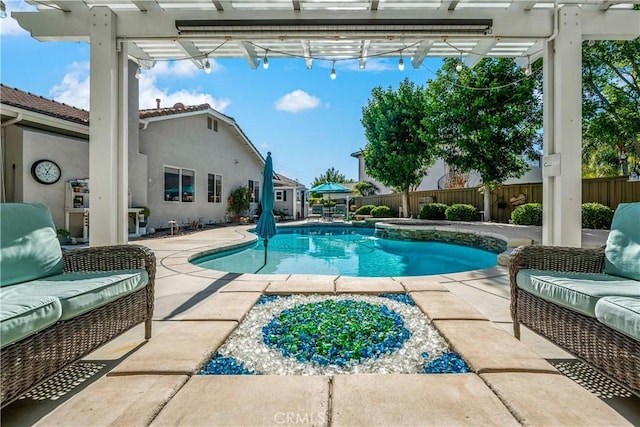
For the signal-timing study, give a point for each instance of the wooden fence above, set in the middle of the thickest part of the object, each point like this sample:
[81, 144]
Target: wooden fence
[608, 191]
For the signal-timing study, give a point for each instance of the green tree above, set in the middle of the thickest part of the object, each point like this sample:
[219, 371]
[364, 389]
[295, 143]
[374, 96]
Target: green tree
[491, 131]
[331, 175]
[366, 188]
[611, 101]
[395, 154]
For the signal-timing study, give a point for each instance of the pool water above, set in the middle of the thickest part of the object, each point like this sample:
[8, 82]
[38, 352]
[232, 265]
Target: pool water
[347, 251]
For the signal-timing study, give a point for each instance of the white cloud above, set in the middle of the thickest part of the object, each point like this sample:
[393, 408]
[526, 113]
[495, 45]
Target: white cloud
[9, 26]
[74, 88]
[297, 100]
[74, 91]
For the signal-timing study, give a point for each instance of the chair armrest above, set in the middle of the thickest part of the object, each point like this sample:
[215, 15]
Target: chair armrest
[108, 258]
[554, 258]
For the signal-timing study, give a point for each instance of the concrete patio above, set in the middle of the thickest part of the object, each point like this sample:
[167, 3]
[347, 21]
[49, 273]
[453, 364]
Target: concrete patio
[130, 382]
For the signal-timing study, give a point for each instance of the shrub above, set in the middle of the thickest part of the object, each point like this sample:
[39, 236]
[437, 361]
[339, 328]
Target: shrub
[381, 212]
[239, 201]
[596, 215]
[433, 211]
[527, 214]
[461, 212]
[365, 210]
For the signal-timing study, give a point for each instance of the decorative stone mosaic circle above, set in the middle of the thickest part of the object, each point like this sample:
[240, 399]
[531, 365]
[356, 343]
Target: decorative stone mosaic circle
[325, 335]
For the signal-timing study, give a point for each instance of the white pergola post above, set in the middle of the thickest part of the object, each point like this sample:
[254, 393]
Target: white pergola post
[123, 145]
[562, 152]
[107, 132]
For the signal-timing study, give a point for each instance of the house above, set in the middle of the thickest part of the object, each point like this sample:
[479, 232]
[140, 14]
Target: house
[291, 197]
[183, 161]
[439, 176]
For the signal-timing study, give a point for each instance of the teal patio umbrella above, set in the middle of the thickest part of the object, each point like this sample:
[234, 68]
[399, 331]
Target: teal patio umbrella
[329, 187]
[266, 227]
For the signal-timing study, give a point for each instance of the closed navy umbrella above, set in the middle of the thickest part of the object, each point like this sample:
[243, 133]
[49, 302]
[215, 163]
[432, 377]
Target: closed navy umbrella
[266, 227]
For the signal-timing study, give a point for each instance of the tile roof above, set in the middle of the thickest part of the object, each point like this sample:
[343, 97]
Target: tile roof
[178, 108]
[28, 101]
[283, 181]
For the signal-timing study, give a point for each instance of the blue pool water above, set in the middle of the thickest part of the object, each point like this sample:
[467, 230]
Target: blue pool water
[347, 251]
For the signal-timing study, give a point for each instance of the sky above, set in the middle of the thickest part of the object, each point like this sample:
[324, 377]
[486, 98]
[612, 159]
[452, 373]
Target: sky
[308, 122]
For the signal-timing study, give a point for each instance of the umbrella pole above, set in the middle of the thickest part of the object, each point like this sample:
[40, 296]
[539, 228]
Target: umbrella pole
[266, 243]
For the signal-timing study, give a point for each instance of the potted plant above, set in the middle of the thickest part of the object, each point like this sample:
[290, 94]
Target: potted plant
[63, 235]
[239, 202]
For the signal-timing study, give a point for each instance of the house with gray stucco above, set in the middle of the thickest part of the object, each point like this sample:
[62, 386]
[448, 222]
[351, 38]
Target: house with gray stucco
[184, 161]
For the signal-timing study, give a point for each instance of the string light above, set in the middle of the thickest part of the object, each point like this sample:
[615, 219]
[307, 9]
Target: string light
[460, 64]
[333, 70]
[401, 63]
[138, 73]
[527, 70]
[3, 10]
[207, 66]
[265, 60]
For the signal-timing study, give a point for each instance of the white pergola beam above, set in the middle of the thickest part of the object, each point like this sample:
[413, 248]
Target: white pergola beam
[531, 55]
[249, 53]
[421, 53]
[147, 5]
[50, 25]
[222, 5]
[479, 52]
[190, 49]
[364, 52]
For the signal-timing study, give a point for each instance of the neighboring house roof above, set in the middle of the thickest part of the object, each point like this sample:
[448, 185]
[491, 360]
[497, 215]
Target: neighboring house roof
[38, 104]
[28, 101]
[283, 181]
[179, 109]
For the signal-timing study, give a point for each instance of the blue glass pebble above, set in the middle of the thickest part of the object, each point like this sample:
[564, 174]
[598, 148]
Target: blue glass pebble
[447, 363]
[403, 298]
[220, 365]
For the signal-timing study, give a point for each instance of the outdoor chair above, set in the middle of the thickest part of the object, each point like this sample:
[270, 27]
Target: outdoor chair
[339, 213]
[316, 213]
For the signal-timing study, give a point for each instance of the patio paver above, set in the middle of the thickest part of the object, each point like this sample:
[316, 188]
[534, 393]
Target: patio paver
[295, 285]
[488, 347]
[221, 306]
[547, 399]
[445, 306]
[180, 349]
[117, 401]
[412, 400]
[419, 283]
[368, 285]
[249, 400]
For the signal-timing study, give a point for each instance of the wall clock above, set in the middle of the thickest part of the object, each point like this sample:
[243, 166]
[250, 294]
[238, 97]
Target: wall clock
[46, 171]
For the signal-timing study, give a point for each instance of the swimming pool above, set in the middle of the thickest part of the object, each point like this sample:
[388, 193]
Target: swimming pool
[347, 251]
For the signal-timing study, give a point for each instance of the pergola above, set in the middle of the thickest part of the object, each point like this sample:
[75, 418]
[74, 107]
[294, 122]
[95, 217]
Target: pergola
[145, 31]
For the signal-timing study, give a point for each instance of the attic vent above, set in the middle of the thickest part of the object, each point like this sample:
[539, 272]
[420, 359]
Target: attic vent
[178, 105]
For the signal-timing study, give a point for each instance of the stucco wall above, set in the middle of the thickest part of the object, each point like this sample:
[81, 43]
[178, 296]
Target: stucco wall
[71, 154]
[12, 162]
[186, 142]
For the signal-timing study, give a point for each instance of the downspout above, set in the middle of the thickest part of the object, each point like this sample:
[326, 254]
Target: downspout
[3, 191]
[553, 35]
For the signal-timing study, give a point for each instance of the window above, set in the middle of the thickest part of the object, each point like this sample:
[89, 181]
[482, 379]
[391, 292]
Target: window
[212, 124]
[179, 184]
[254, 187]
[281, 195]
[214, 189]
